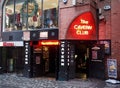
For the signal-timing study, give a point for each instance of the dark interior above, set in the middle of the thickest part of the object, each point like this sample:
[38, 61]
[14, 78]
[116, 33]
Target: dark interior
[81, 59]
[47, 65]
[12, 59]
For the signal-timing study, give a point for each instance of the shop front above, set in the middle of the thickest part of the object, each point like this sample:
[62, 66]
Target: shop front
[35, 24]
[81, 54]
[41, 53]
[45, 58]
[12, 57]
[35, 55]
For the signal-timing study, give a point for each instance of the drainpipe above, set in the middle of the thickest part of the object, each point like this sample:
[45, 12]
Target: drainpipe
[97, 25]
[14, 15]
[42, 16]
[27, 17]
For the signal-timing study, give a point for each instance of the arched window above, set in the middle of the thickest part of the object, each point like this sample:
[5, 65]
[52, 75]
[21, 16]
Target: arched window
[29, 14]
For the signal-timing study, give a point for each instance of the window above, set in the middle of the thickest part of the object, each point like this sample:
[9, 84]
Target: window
[50, 13]
[30, 14]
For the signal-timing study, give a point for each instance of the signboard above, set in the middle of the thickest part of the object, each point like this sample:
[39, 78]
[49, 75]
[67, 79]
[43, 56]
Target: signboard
[112, 68]
[26, 35]
[82, 27]
[44, 35]
[15, 43]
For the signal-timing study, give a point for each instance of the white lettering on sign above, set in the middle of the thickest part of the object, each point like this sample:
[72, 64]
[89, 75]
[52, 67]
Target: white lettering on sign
[83, 28]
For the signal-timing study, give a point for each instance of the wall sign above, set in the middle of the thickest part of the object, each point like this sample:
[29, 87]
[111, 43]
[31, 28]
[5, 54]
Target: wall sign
[44, 35]
[9, 44]
[112, 68]
[26, 52]
[82, 27]
[26, 35]
[62, 54]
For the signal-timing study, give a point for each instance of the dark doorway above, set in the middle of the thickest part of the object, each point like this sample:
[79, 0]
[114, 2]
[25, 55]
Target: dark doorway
[45, 61]
[97, 61]
[12, 59]
[82, 59]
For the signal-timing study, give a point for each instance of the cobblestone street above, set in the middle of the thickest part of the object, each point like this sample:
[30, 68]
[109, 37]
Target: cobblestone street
[15, 81]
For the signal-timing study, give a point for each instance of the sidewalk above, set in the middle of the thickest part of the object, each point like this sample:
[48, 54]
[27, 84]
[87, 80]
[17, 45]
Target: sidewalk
[14, 81]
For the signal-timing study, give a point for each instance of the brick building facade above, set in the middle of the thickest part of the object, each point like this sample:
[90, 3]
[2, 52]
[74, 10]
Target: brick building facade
[108, 23]
[95, 22]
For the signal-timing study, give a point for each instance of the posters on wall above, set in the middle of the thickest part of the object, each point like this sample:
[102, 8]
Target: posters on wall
[107, 45]
[112, 68]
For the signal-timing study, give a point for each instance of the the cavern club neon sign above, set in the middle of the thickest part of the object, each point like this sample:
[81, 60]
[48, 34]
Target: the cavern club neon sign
[82, 27]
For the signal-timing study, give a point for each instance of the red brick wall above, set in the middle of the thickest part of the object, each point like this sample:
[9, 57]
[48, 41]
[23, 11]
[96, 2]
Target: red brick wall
[105, 24]
[68, 12]
[115, 21]
[109, 29]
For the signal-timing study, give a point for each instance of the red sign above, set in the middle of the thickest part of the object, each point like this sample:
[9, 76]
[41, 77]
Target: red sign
[82, 27]
[50, 42]
[8, 44]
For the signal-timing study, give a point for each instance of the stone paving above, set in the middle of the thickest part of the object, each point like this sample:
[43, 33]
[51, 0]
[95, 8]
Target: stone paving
[15, 81]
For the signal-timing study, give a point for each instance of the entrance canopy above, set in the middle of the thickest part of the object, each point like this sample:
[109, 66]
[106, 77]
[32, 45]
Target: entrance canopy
[82, 27]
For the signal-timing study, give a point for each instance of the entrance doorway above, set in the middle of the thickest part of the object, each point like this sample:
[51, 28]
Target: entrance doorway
[45, 61]
[12, 59]
[82, 59]
[89, 62]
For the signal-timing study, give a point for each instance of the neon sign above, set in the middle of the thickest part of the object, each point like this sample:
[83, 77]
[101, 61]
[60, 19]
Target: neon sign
[50, 42]
[82, 27]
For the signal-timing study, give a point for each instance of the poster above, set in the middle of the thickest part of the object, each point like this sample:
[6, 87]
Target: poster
[37, 59]
[107, 45]
[94, 54]
[26, 35]
[112, 68]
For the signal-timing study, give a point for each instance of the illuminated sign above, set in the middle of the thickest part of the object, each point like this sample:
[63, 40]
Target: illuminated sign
[50, 42]
[82, 27]
[44, 34]
[65, 1]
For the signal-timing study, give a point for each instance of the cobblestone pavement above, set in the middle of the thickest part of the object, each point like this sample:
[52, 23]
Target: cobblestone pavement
[15, 81]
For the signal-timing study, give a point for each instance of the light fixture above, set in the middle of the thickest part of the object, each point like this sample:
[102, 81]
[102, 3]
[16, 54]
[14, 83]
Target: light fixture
[65, 1]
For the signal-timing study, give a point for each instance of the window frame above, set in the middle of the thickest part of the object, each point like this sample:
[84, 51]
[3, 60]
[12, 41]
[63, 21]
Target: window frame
[42, 17]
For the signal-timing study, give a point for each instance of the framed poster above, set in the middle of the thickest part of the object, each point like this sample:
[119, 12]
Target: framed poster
[94, 54]
[37, 59]
[107, 44]
[26, 35]
[112, 68]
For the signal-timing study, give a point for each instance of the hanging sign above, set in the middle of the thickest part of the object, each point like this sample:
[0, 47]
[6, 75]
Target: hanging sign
[82, 27]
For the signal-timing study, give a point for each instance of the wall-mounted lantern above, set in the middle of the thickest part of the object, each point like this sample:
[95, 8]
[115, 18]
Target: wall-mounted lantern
[65, 1]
